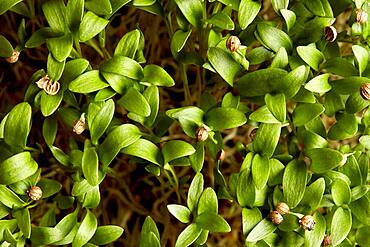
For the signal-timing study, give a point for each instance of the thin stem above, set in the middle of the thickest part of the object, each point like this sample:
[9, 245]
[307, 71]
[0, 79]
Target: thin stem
[78, 47]
[185, 85]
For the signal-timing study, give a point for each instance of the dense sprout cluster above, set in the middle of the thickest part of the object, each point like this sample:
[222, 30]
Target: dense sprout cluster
[271, 131]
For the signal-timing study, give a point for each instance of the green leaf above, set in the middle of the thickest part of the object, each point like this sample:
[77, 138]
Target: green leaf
[88, 82]
[273, 37]
[128, 45]
[175, 149]
[179, 39]
[362, 57]
[86, 230]
[59, 155]
[349, 85]
[50, 103]
[40, 36]
[281, 59]
[276, 172]
[18, 125]
[355, 103]
[316, 236]
[259, 55]
[9, 198]
[345, 127]
[60, 47]
[314, 193]
[293, 81]
[5, 5]
[358, 192]
[279, 4]
[6, 49]
[72, 70]
[340, 225]
[248, 10]
[197, 158]
[135, 102]
[324, 159]
[120, 137]
[17, 168]
[245, 192]
[250, 218]
[232, 118]
[74, 13]
[313, 140]
[208, 202]
[319, 84]
[54, 12]
[263, 115]
[221, 20]
[312, 56]
[91, 25]
[294, 182]
[101, 121]
[340, 66]
[304, 113]
[260, 82]
[276, 105]
[156, 75]
[289, 17]
[180, 212]
[146, 150]
[55, 68]
[192, 10]
[220, 60]
[90, 166]
[260, 170]
[45, 235]
[195, 191]
[365, 141]
[151, 94]
[132, 69]
[188, 235]
[267, 138]
[49, 187]
[106, 234]
[341, 192]
[362, 235]
[104, 94]
[260, 231]
[149, 234]
[212, 222]
[99, 7]
[24, 221]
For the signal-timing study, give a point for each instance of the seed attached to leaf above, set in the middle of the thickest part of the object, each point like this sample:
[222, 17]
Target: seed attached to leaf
[253, 133]
[80, 125]
[361, 16]
[307, 222]
[282, 208]
[233, 43]
[326, 241]
[35, 193]
[202, 134]
[330, 33]
[43, 81]
[221, 155]
[14, 57]
[52, 88]
[365, 91]
[276, 217]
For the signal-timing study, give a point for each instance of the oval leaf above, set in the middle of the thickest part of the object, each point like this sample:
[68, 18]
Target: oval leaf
[231, 118]
[17, 168]
[294, 182]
